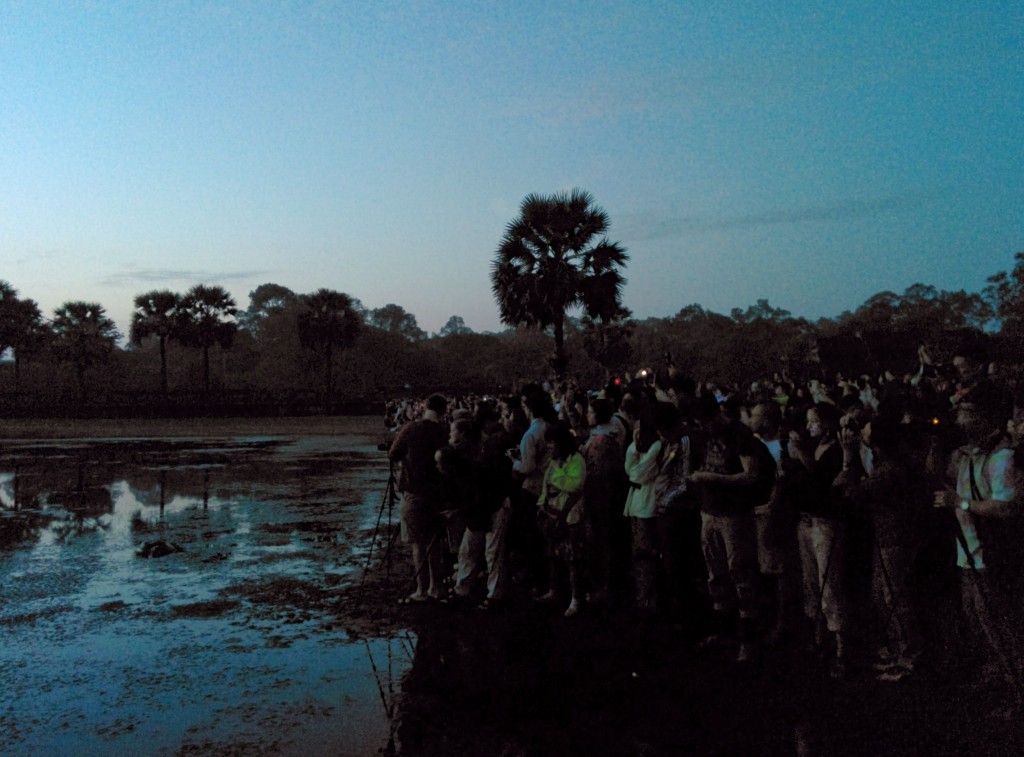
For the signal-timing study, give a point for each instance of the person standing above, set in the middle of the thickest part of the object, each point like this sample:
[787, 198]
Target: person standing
[560, 514]
[776, 527]
[530, 461]
[604, 493]
[822, 532]
[727, 481]
[984, 499]
[414, 447]
[643, 460]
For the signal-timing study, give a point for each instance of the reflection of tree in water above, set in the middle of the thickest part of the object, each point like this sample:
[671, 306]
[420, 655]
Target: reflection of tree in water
[77, 484]
[155, 487]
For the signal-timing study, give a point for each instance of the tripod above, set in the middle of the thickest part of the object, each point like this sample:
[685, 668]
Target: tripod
[387, 502]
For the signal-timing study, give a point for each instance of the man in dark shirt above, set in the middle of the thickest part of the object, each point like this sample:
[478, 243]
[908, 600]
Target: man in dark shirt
[727, 481]
[420, 484]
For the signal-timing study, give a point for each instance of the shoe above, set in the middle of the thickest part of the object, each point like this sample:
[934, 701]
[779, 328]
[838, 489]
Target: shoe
[714, 641]
[414, 599]
[488, 604]
[548, 598]
[903, 662]
[572, 610]
[746, 653]
[1007, 713]
[839, 670]
[894, 674]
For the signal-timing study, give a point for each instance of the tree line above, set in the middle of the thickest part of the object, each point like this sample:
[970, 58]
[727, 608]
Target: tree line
[557, 281]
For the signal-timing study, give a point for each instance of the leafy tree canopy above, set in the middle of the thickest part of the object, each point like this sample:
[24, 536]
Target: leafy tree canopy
[396, 320]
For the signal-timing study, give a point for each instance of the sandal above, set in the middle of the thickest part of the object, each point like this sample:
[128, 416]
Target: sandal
[414, 599]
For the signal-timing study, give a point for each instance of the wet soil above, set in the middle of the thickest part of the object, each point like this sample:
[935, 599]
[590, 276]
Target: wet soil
[275, 629]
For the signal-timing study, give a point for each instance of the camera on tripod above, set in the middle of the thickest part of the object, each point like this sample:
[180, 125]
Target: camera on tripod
[385, 444]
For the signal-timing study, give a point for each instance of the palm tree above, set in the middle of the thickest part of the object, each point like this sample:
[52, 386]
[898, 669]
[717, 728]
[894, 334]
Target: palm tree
[156, 314]
[206, 316]
[30, 336]
[328, 320]
[84, 335]
[8, 304]
[21, 327]
[555, 257]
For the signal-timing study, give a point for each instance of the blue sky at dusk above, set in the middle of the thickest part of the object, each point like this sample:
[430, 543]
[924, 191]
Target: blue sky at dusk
[809, 153]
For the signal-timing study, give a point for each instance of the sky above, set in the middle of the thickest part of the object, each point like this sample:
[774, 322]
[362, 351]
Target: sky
[808, 153]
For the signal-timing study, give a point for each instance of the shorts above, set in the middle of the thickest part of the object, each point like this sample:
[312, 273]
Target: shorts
[418, 518]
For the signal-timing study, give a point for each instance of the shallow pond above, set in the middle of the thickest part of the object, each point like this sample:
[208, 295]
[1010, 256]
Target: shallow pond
[238, 639]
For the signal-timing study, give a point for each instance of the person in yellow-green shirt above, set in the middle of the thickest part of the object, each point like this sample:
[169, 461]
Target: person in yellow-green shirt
[560, 514]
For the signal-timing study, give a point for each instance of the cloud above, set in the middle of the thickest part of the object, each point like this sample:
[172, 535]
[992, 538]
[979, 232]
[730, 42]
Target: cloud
[639, 227]
[158, 276]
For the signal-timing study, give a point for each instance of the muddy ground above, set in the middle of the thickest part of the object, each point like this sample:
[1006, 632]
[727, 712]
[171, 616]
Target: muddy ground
[266, 623]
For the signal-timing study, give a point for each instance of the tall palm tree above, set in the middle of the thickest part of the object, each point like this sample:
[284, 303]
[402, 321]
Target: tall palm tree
[555, 257]
[30, 336]
[21, 327]
[328, 320]
[84, 335]
[156, 314]
[206, 316]
[8, 305]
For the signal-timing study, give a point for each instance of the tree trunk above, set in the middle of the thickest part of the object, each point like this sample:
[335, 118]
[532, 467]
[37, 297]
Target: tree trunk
[163, 365]
[558, 364]
[206, 370]
[328, 377]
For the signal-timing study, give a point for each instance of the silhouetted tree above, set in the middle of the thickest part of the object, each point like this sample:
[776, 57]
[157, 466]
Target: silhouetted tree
[265, 301]
[554, 257]
[84, 336]
[396, 320]
[455, 325]
[206, 316]
[328, 321]
[8, 300]
[30, 336]
[156, 314]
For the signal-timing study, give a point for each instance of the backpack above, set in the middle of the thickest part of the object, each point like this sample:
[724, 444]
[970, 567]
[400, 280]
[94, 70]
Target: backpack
[671, 488]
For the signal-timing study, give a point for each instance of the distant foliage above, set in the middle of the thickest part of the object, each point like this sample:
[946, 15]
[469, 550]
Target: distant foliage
[299, 353]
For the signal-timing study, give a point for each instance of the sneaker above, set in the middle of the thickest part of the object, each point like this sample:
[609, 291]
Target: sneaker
[839, 671]
[903, 662]
[714, 641]
[746, 653]
[573, 609]
[548, 598]
[894, 674]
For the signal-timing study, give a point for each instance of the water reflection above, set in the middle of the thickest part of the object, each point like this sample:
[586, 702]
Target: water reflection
[233, 641]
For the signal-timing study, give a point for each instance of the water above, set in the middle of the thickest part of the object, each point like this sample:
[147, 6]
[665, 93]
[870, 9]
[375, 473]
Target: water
[242, 641]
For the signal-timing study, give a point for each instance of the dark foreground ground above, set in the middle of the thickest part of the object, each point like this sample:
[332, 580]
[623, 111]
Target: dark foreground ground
[529, 682]
[276, 631]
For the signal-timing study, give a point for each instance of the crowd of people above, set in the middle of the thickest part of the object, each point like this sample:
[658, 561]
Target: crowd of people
[873, 521]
